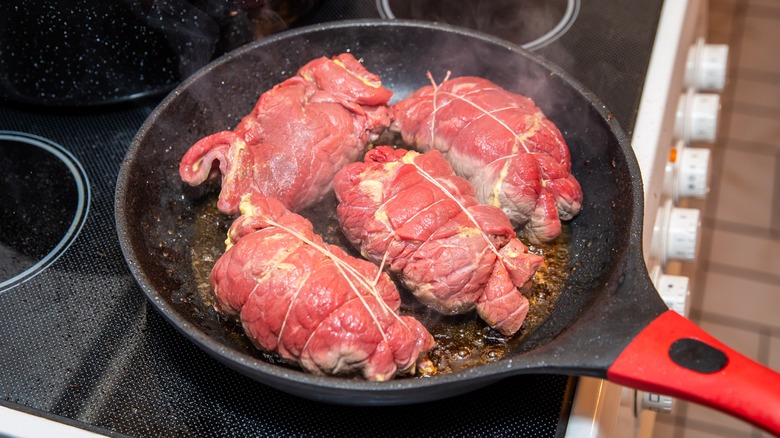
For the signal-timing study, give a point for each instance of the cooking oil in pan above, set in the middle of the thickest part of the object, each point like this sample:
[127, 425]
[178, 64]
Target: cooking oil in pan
[462, 341]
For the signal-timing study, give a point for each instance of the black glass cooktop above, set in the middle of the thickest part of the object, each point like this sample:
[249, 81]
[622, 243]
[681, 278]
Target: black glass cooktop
[44, 199]
[530, 23]
[80, 343]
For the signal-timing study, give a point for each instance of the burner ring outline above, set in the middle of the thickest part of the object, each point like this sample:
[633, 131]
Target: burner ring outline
[84, 195]
[572, 10]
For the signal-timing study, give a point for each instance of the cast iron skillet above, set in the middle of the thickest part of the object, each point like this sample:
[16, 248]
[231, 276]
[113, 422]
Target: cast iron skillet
[609, 321]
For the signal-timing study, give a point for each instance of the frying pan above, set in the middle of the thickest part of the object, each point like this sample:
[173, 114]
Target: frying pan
[609, 321]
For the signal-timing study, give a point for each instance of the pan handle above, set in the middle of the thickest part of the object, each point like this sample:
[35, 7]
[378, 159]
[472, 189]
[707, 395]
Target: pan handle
[673, 356]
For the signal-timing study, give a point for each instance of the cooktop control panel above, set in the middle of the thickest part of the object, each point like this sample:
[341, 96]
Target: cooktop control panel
[676, 162]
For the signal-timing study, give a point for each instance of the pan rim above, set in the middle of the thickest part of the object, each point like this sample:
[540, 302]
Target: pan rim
[281, 377]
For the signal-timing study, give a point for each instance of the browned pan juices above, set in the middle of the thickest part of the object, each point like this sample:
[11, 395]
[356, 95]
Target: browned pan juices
[462, 341]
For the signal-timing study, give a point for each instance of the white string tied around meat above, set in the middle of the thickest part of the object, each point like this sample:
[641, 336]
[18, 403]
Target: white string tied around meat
[519, 139]
[345, 268]
[468, 214]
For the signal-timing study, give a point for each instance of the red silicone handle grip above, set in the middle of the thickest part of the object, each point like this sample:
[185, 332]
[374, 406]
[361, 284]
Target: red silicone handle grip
[731, 383]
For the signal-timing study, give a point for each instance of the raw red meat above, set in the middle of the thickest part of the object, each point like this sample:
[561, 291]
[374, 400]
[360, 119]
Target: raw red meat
[311, 302]
[502, 143]
[299, 134]
[411, 213]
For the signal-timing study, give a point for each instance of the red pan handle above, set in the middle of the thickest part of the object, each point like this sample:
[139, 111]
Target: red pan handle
[675, 357]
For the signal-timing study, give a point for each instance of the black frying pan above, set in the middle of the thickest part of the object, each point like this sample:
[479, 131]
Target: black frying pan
[609, 321]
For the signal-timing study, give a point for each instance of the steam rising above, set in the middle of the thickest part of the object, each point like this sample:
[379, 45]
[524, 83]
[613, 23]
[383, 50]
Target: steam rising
[530, 23]
[198, 31]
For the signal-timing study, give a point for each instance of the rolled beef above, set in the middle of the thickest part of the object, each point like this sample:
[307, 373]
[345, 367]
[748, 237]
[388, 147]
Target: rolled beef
[515, 157]
[311, 302]
[297, 136]
[410, 213]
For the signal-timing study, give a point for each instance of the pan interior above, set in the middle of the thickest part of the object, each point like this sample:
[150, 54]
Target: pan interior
[159, 215]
